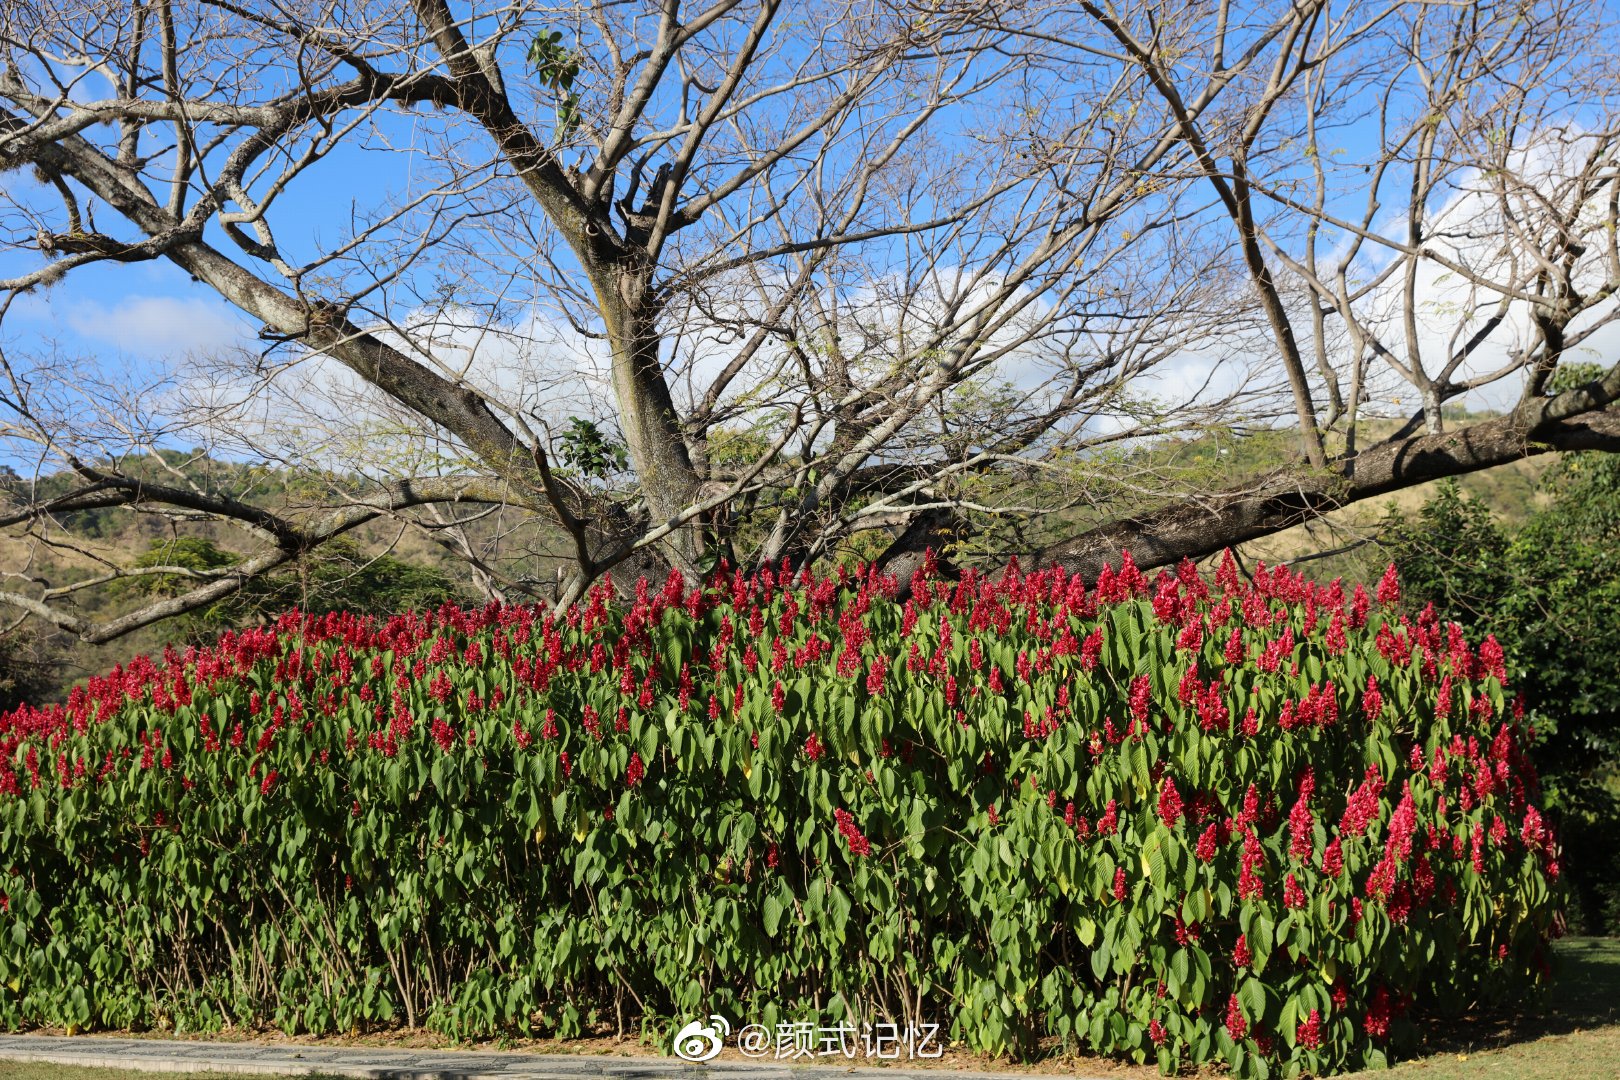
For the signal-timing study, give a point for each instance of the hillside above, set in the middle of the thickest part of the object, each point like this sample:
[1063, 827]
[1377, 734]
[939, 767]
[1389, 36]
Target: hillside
[378, 566]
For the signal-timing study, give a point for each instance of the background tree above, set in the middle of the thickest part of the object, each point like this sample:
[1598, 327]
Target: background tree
[29, 666]
[338, 576]
[855, 278]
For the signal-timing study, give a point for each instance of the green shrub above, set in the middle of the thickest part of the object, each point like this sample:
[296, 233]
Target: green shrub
[1257, 823]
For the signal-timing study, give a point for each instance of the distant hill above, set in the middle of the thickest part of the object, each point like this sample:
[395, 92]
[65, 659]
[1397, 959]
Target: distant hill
[379, 566]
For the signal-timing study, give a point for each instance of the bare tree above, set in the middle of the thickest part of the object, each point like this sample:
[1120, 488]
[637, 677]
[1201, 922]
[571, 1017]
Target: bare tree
[841, 277]
[1423, 198]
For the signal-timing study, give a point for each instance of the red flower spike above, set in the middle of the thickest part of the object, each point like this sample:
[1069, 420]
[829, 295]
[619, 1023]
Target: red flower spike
[1389, 587]
[1109, 822]
[1170, 808]
[859, 845]
[1236, 1025]
[1206, 843]
[1309, 1032]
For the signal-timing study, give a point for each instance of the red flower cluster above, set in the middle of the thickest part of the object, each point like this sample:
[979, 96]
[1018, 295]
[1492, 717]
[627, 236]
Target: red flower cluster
[1141, 698]
[1169, 803]
[1376, 1022]
[858, 843]
[1381, 883]
[1250, 885]
[1302, 827]
[1372, 700]
[1206, 843]
[1108, 824]
[1389, 586]
[1236, 1025]
[875, 674]
[1309, 1032]
[1362, 806]
[1333, 859]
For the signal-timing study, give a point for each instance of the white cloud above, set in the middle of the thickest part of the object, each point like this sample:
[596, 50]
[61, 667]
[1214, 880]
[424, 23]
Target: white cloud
[1497, 237]
[311, 408]
[156, 325]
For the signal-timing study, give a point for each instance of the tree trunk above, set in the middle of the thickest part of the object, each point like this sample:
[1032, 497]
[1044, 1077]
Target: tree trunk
[647, 417]
[929, 531]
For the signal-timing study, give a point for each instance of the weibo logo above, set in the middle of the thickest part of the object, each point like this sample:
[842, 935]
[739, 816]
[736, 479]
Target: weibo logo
[699, 1042]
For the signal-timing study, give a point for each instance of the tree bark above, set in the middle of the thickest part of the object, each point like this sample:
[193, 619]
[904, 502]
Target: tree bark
[647, 416]
[929, 531]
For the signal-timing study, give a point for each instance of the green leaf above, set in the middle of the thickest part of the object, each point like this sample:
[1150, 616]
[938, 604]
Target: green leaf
[1101, 959]
[772, 915]
[1139, 769]
[1252, 995]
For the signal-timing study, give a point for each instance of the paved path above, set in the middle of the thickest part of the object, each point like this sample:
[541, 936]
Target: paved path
[293, 1059]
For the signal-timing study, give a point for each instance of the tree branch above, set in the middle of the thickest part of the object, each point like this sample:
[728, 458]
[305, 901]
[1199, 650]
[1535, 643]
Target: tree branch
[1200, 526]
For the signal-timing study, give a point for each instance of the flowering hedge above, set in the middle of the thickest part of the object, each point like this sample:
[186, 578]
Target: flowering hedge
[1267, 822]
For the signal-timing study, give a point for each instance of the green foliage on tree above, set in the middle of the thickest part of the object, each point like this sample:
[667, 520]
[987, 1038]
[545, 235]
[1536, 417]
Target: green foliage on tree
[201, 556]
[342, 577]
[594, 454]
[557, 66]
[29, 666]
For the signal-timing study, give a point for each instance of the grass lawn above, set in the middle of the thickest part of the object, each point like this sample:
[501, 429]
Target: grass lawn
[1575, 1035]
